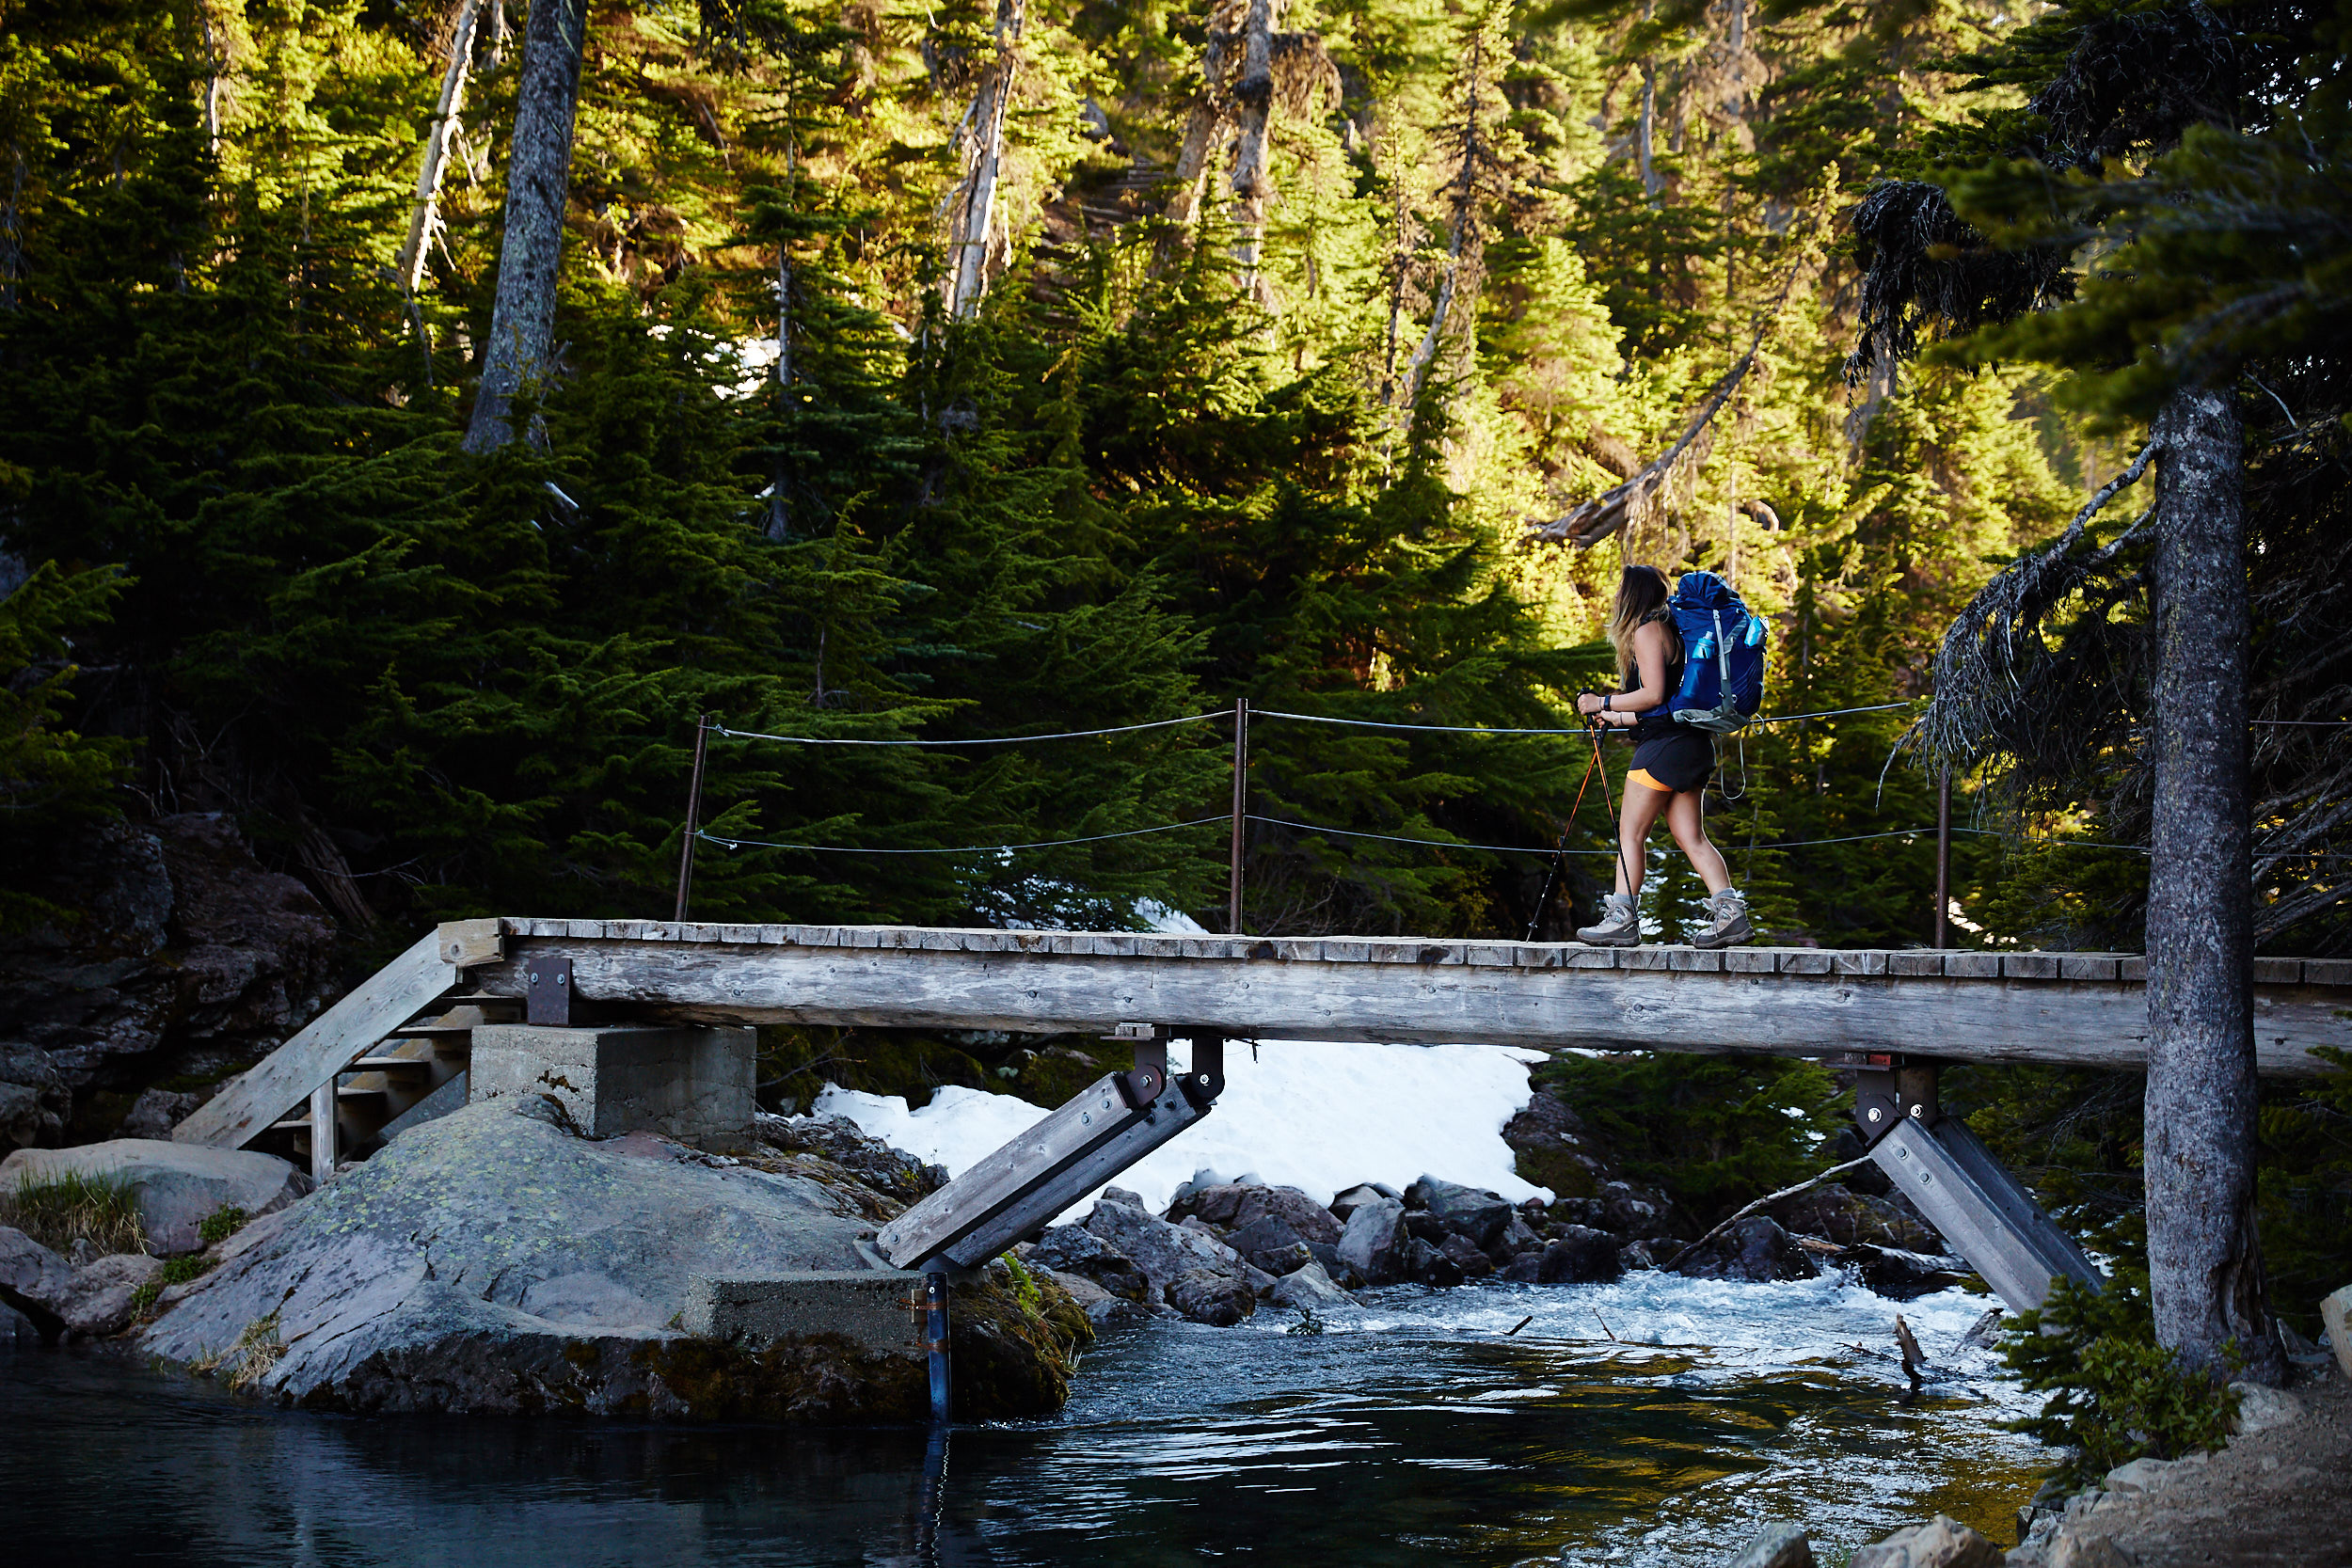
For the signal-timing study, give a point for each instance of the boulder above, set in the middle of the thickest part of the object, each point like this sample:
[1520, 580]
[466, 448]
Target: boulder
[1219, 1300]
[493, 1261]
[1165, 1254]
[1429, 1265]
[2141, 1475]
[1467, 1256]
[33, 1279]
[2259, 1409]
[2336, 1312]
[1076, 1251]
[1634, 1212]
[1941, 1542]
[1579, 1256]
[1517, 1236]
[1892, 1271]
[1342, 1272]
[156, 1112]
[34, 1098]
[1550, 1148]
[98, 1299]
[1270, 1242]
[1756, 1249]
[178, 1186]
[841, 1143]
[1466, 1212]
[1376, 1242]
[1424, 1227]
[1234, 1206]
[1524, 1268]
[1309, 1288]
[1856, 1219]
[16, 1328]
[1634, 1257]
[2071, 1548]
[1346, 1203]
[1776, 1546]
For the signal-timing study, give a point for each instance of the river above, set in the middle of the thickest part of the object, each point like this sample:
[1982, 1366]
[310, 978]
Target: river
[1418, 1431]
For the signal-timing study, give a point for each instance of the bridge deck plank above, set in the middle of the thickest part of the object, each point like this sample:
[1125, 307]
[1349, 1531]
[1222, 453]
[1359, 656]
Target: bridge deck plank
[2082, 1008]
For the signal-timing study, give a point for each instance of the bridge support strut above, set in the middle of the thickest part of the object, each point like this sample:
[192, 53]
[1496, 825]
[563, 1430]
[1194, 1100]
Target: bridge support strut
[1983, 1212]
[1015, 1192]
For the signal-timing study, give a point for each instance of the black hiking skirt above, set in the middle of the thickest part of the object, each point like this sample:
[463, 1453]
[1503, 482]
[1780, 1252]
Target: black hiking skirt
[1676, 757]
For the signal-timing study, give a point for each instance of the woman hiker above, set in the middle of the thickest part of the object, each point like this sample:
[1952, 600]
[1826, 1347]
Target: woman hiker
[1672, 763]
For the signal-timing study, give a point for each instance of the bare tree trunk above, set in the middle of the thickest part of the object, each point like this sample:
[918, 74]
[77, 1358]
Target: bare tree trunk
[439, 139]
[1211, 118]
[1253, 177]
[1645, 132]
[11, 229]
[972, 253]
[495, 55]
[2204, 1261]
[538, 175]
[779, 504]
[1464, 237]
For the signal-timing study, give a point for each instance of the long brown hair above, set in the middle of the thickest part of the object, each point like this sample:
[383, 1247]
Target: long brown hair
[1641, 593]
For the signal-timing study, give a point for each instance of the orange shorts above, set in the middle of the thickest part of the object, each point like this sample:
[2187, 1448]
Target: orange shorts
[1641, 776]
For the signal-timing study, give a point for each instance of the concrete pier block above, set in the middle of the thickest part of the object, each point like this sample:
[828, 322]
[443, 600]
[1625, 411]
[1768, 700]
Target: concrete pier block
[875, 1310]
[690, 1084]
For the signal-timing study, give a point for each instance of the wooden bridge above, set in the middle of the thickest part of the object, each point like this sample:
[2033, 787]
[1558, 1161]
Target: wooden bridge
[400, 1037]
[394, 1051]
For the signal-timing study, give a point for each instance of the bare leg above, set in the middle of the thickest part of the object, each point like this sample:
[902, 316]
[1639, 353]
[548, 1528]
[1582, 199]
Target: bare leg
[1685, 818]
[1636, 815]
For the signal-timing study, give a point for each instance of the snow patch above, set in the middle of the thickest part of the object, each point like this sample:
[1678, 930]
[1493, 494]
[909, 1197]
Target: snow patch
[1317, 1115]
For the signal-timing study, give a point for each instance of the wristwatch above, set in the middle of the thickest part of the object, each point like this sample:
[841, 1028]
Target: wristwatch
[1604, 704]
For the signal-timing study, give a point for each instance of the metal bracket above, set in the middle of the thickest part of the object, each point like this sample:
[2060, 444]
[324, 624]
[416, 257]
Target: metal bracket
[1206, 1081]
[1890, 1089]
[548, 991]
[1149, 1079]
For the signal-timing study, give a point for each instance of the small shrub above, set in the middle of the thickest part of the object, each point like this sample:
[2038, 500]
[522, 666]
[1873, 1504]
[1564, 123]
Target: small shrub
[56, 1210]
[179, 1270]
[2117, 1395]
[255, 1353]
[1308, 1323]
[221, 1223]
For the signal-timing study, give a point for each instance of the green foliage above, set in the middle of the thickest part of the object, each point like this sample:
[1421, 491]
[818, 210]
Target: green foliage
[175, 1271]
[49, 774]
[1712, 1131]
[2115, 1395]
[58, 1210]
[221, 1223]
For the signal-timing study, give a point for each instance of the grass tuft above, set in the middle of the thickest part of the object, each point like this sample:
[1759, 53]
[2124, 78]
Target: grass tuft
[60, 1210]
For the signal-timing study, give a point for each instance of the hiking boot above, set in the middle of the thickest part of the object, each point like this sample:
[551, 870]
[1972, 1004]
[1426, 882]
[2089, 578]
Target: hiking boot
[1620, 924]
[1729, 911]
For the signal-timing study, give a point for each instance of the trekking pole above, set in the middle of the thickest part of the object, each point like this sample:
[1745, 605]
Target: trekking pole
[1560, 851]
[1625, 868]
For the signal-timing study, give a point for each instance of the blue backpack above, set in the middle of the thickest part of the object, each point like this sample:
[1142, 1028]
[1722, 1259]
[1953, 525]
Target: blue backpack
[1723, 655]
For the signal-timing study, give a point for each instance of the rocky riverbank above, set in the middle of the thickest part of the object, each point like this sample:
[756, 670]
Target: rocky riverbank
[496, 1261]
[1226, 1248]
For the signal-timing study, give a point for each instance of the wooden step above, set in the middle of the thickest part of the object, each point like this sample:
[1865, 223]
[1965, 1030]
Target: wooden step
[389, 1064]
[295, 1124]
[431, 1031]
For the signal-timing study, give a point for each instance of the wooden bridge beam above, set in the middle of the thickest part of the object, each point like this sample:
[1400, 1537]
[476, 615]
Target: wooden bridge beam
[1790, 1002]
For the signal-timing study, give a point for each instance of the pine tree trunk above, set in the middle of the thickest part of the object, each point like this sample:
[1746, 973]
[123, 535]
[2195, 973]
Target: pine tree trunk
[439, 139]
[538, 175]
[1252, 172]
[972, 206]
[2204, 1261]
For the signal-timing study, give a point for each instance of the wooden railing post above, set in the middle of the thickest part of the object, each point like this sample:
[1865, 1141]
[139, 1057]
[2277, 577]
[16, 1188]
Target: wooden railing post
[1943, 855]
[694, 817]
[1241, 807]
